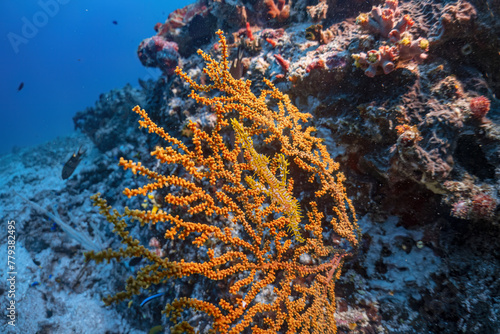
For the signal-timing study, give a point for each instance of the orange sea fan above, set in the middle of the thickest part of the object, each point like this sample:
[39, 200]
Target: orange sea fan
[237, 209]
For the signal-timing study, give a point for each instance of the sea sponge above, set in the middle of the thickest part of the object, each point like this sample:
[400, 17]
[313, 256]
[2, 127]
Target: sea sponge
[479, 107]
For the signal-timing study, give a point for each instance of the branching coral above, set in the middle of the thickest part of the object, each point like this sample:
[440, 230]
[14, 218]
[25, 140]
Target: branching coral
[242, 215]
[388, 22]
[384, 20]
[373, 59]
[280, 12]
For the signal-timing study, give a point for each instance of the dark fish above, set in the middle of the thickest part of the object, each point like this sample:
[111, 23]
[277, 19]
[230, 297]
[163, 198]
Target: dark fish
[21, 85]
[115, 22]
[70, 166]
[236, 68]
[135, 261]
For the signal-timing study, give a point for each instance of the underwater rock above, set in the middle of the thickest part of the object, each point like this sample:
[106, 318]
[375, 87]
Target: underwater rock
[104, 123]
[158, 52]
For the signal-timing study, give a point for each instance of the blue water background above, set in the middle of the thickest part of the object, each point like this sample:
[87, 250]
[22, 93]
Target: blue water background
[74, 54]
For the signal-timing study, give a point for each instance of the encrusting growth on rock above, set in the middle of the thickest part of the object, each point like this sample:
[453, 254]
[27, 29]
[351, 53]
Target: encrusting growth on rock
[238, 210]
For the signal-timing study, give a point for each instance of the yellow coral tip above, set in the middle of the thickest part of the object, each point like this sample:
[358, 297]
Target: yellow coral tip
[424, 44]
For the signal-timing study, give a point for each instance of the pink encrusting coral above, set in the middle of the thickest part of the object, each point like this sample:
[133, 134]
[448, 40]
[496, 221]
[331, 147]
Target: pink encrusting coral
[158, 52]
[316, 65]
[480, 206]
[180, 17]
[163, 49]
[483, 205]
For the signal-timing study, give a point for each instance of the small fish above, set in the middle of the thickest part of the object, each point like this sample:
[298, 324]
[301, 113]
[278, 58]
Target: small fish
[115, 22]
[135, 261]
[156, 329]
[236, 68]
[70, 166]
[313, 33]
[21, 85]
[147, 300]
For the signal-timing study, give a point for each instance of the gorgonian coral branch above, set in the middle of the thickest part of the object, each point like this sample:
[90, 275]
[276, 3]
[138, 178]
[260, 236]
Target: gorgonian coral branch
[238, 210]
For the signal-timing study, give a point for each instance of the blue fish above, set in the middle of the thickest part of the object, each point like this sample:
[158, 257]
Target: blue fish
[147, 300]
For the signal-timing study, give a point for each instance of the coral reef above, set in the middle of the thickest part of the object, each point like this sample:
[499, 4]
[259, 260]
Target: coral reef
[414, 133]
[408, 141]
